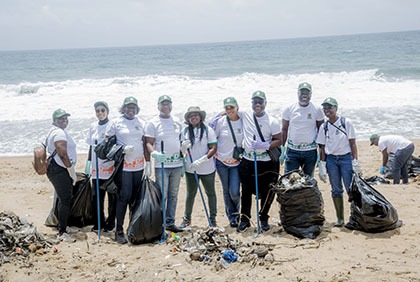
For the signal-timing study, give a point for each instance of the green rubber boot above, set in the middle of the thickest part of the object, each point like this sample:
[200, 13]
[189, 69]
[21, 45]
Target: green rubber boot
[339, 210]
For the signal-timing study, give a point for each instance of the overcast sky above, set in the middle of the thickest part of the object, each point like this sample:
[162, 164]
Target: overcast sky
[51, 24]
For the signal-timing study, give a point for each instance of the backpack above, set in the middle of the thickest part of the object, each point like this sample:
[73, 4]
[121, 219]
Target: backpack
[40, 158]
[342, 122]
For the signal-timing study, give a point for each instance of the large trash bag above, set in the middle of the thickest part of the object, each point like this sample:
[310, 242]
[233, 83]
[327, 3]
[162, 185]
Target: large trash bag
[302, 206]
[369, 210]
[146, 215]
[82, 209]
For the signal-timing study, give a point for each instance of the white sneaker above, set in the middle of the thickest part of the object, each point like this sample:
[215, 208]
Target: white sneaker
[70, 230]
[66, 238]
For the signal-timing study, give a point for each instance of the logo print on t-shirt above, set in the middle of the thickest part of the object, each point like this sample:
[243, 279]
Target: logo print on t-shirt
[309, 116]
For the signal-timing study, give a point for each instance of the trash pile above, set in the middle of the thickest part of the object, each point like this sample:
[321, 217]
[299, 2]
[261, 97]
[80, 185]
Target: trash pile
[302, 206]
[18, 238]
[213, 247]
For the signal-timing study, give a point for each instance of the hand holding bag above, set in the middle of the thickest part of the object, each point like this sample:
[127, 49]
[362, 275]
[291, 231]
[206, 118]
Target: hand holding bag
[275, 152]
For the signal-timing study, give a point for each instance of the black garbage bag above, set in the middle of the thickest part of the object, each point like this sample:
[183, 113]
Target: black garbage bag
[369, 210]
[82, 209]
[146, 215]
[376, 180]
[302, 206]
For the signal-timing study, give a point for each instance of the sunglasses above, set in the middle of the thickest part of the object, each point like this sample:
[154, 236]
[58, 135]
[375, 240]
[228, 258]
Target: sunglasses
[327, 107]
[100, 111]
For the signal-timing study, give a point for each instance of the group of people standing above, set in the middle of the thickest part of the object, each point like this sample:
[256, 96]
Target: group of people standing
[233, 144]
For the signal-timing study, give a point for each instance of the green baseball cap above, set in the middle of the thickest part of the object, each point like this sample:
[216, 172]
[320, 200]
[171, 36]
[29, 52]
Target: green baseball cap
[372, 138]
[305, 85]
[130, 100]
[331, 101]
[230, 101]
[59, 113]
[259, 94]
[164, 98]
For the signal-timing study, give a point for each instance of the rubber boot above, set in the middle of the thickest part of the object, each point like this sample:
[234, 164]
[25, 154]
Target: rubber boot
[339, 210]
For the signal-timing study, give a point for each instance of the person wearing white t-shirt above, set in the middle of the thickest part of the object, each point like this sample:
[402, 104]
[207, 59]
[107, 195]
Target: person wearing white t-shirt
[337, 140]
[300, 124]
[229, 132]
[202, 142]
[267, 169]
[129, 130]
[167, 129]
[105, 168]
[60, 171]
[402, 149]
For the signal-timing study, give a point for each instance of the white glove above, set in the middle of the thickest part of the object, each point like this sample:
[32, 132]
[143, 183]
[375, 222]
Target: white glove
[322, 173]
[357, 168]
[148, 169]
[186, 144]
[159, 157]
[199, 162]
[128, 149]
[72, 174]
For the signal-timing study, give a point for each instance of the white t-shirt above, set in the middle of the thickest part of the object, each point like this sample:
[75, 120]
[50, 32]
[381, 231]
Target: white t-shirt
[336, 142]
[169, 130]
[201, 148]
[392, 143]
[269, 126]
[105, 167]
[58, 134]
[302, 130]
[225, 143]
[129, 132]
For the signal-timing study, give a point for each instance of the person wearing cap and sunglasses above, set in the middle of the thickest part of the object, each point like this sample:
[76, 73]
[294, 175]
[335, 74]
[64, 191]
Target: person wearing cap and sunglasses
[203, 143]
[267, 169]
[105, 168]
[402, 149]
[337, 140]
[300, 124]
[229, 133]
[168, 129]
[60, 171]
[129, 130]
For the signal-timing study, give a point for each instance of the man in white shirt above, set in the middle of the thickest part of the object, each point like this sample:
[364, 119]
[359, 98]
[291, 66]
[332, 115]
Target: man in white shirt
[402, 149]
[167, 129]
[300, 124]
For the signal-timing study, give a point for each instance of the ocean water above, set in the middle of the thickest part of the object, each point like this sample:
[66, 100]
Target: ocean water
[374, 77]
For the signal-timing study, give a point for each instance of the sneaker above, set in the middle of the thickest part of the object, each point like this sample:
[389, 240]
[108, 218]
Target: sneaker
[71, 230]
[233, 223]
[185, 223]
[213, 223]
[65, 237]
[120, 237]
[109, 228]
[264, 225]
[243, 226]
[174, 228]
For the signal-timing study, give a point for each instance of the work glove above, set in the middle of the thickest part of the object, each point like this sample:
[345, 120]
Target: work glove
[87, 167]
[148, 169]
[186, 144]
[382, 169]
[283, 154]
[199, 162]
[322, 171]
[128, 149]
[159, 157]
[259, 145]
[72, 174]
[357, 168]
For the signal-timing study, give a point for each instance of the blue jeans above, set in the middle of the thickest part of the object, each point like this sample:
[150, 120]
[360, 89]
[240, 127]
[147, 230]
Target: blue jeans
[399, 166]
[339, 169]
[172, 178]
[229, 176]
[296, 159]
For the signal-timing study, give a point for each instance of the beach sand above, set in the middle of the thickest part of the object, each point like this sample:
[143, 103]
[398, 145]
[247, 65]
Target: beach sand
[337, 254]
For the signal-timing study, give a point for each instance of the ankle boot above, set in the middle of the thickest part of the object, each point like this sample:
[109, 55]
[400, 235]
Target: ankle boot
[339, 210]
